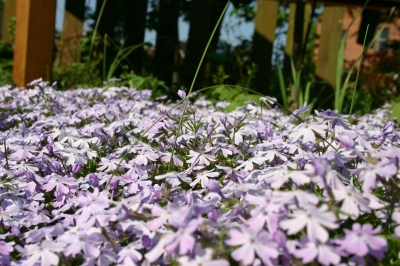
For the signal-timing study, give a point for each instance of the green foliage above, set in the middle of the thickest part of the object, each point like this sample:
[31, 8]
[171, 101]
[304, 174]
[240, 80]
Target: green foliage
[80, 74]
[6, 63]
[140, 82]
[296, 95]
[237, 97]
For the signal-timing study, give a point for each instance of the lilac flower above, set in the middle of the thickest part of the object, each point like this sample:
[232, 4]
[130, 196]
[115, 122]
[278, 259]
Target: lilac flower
[183, 238]
[92, 203]
[159, 248]
[43, 252]
[137, 183]
[362, 239]
[202, 257]
[370, 172]
[314, 219]
[174, 215]
[307, 131]
[6, 248]
[252, 242]
[203, 176]
[352, 203]
[167, 157]
[58, 182]
[174, 178]
[23, 153]
[130, 252]
[324, 252]
[396, 219]
[181, 94]
[200, 158]
[78, 241]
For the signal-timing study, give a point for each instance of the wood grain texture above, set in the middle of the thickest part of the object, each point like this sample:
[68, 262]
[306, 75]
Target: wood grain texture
[34, 40]
[331, 33]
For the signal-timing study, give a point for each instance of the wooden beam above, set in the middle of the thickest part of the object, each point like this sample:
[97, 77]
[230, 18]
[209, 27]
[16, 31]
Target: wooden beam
[290, 32]
[10, 7]
[34, 40]
[70, 41]
[331, 33]
[263, 40]
[372, 4]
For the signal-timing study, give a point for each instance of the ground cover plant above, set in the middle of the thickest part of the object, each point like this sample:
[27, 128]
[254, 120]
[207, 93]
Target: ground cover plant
[91, 177]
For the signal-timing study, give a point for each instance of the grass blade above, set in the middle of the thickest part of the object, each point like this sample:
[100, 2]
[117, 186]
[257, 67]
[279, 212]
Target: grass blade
[194, 79]
[339, 90]
[358, 72]
[282, 87]
[96, 26]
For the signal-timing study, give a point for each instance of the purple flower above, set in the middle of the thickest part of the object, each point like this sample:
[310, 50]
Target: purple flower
[370, 172]
[202, 257]
[324, 252]
[43, 252]
[174, 178]
[362, 240]
[130, 253]
[203, 176]
[78, 241]
[352, 203]
[6, 248]
[94, 180]
[307, 131]
[200, 158]
[58, 182]
[182, 93]
[183, 238]
[252, 242]
[314, 219]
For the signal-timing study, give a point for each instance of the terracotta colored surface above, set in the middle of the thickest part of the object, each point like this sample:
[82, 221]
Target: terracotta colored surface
[34, 40]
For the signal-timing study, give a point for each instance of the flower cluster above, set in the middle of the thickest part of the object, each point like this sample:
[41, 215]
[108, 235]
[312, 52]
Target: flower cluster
[108, 176]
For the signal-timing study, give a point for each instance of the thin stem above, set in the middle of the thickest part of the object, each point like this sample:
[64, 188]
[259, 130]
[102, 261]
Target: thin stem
[104, 57]
[96, 26]
[194, 79]
[358, 73]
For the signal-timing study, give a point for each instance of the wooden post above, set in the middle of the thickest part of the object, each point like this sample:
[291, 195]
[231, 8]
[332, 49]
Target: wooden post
[34, 40]
[10, 7]
[70, 41]
[263, 40]
[331, 33]
[290, 32]
[298, 32]
[135, 24]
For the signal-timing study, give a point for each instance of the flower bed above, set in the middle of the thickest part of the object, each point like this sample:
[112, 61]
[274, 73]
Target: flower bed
[79, 186]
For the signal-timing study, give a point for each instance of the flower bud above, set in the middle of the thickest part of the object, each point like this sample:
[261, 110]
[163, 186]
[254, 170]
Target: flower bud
[56, 166]
[94, 180]
[346, 141]
[114, 184]
[75, 168]
[212, 215]
[213, 186]
[182, 93]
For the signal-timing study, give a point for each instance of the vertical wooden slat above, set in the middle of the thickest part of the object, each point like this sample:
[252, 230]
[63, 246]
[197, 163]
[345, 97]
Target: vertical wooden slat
[331, 33]
[10, 7]
[290, 32]
[70, 41]
[34, 40]
[263, 40]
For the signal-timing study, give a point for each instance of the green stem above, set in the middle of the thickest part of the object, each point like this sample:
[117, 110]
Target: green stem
[96, 26]
[194, 79]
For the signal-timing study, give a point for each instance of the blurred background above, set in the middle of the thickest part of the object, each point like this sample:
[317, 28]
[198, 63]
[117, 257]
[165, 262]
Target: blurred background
[296, 51]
